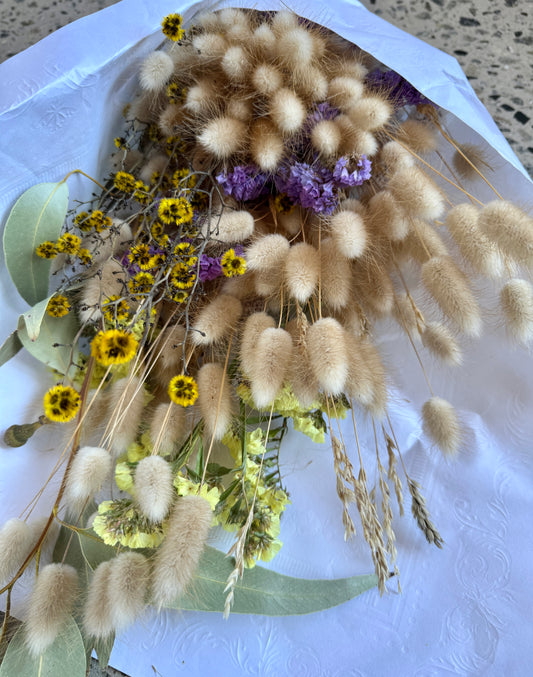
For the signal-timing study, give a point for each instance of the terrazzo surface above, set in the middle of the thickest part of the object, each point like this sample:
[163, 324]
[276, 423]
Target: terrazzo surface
[492, 40]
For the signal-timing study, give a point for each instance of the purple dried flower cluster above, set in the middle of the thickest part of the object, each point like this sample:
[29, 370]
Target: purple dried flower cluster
[315, 186]
[399, 90]
[244, 182]
[210, 267]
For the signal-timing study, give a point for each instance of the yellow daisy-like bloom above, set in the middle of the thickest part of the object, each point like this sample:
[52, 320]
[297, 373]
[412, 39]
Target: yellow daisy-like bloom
[81, 221]
[157, 230]
[176, 93]
[158, 260]
[142, 283]
[183, 390]
[85, 256]
[46, 250]
[103, 224]
[124, 182]
[68, 244]
[180, 296]
[185, 251]
[183, 178]
[120, 142]
[140, 255]
[171, 27]
[58, 306]
[182, 277]
[283, 204]
[175, 211]
[232, 265]
[116, 309]
[142, 192]
[113, 346]
[61, 404]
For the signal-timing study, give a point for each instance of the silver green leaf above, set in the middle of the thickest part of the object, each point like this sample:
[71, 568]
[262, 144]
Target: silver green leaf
[54, 344]
[38, 215]
[10, 348]
[64, 658]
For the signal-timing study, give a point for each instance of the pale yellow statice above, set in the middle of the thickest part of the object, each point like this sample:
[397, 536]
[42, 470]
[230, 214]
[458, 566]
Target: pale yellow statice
[254, 443]
[186, 487]
[129, 534]
[124, 477]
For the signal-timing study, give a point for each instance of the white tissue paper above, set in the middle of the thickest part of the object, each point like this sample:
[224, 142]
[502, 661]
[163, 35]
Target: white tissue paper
[465, 609]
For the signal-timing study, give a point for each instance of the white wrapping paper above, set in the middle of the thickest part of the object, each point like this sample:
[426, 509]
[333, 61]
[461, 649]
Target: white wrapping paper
[466, 609]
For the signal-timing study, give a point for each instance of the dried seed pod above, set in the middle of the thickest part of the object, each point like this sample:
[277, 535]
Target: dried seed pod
[266, 145]
[125, 401]
[224, 137]
[349, 233]
[326, 346]
[127, 588]
[270, 365]
[439, 340]
[232, 226]
[441, 424]
[50, 604]
[302, 270]
[216, 320]
[335, 276]
[169, 427]
[417, 193]
[449, 287]
[156, 71]
[287, 111]
[255, 324]
[516, 299]
[510, 228]
[176, 559]
[16, 542]
[268, 253]
[419, 136]
[97, 620]
[214, 399]
[90, 468]
[154, 491]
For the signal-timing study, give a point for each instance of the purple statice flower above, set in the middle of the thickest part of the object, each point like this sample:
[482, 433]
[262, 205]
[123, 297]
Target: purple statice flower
[311, 186]
[210, 268]
[398, 89]
[244, 182]
[344, 178]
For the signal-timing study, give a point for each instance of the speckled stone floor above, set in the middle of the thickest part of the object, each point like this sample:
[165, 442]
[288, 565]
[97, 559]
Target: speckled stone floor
[492, 41]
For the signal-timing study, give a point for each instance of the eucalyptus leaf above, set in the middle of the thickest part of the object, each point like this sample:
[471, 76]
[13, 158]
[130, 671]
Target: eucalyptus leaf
[54, 344]
[33, 318]
[10, 347]
[64, 658]
[38, 215]
[265, 592]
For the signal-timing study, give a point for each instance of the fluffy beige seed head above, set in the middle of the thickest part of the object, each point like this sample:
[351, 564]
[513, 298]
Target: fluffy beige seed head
[201, 98]
[156, 163]
[97, 621]
[216, 320]
[171, 117]
[269, 365]
[349, 233]
[302, 270]
[284, 21]
[170, 428]
[292, 221]
[296, 48]
[301, 377]
[370, 113]
[359, 382]
[405, 315]
[268, 253]
[214, 399]
[335, 276]
[287, 111]
[266, 145]
[510, 228]
[516, 299]
[395, 157]
[236, 64]
[264, 41]
[49, 605]
[441, 424]
[326, 137]
[223, 137]
[468, 159]
[387, 217]
[475, 246]
[153, 487]
[177, 558]
[310, 83]
[90, 468]
[169, 352]
[232, 226]
[417, 193]
[254, 325]
[449, 287]
[344, 92]
[423, 242]
[240, 109]
[374, 364]
[127, 588]
[125, 400]
[209, 46]
[156, 71]
[110, 282]
[266, 79]
[373, 287]
[419, 136]
[438, 339]
[326, 346]
[16, 542]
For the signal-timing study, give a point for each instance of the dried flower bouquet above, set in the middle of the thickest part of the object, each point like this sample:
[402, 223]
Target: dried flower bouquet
[274, 197]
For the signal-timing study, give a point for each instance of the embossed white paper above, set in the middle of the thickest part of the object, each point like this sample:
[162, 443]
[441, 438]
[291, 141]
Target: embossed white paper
[465, 609]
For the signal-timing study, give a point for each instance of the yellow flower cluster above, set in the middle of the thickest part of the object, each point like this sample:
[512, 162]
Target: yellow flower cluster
[183, 390]
[58, 306]
[113, 346]
[61, 404]
[232, 265]
[124, 182]
[175, 211]
[172, 27]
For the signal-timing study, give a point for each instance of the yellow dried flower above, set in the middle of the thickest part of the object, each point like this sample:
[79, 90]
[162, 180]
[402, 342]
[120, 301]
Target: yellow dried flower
[124, 182]
[61, 403]
[171, 27]
[58, 306]
[183, 390]
[175, 211]
[84, 256]
[113, 346]
[232, 265]
[68, 244]
[46, 250]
